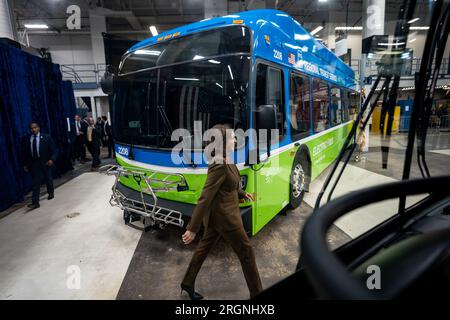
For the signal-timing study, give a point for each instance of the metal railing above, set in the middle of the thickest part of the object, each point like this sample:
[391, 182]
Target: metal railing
[410, 67]
[436, 123]
[92, 73]
[83, 73]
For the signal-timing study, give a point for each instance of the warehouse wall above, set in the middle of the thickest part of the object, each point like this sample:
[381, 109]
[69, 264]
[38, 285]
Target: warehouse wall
[65, 48]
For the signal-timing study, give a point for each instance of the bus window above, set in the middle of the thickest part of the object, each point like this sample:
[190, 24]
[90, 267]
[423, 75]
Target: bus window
[269, 90]
[335, 106]
[355, 101]
[320, 105]
[299, 106]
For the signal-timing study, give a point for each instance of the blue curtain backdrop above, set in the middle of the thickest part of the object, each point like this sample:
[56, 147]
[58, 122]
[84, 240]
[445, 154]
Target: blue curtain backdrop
[31, 89]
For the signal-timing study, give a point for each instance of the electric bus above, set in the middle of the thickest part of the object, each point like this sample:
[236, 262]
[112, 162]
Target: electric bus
[233, 69]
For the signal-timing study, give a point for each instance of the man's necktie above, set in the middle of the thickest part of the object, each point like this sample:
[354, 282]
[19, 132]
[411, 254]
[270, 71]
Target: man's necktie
[90, 134]
[35, 153]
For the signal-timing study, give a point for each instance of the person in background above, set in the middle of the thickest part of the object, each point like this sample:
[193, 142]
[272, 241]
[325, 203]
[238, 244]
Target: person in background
[84, 126]
[92, 140]
[107, 129]
[39, 156]
[101, 124]
[78, 143]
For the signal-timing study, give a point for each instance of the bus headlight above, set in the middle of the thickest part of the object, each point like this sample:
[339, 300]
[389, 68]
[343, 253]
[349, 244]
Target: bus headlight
[243, 182]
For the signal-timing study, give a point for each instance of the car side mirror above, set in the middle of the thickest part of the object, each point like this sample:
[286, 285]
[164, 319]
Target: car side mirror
[108, 80]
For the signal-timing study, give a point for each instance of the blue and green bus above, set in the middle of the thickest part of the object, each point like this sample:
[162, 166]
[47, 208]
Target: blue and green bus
[222, 70]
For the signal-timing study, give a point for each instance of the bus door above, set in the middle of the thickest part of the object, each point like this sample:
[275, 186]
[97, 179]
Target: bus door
[272, 183]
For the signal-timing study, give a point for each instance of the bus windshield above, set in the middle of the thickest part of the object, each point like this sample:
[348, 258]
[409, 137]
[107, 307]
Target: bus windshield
[216, 42]
[149, 105]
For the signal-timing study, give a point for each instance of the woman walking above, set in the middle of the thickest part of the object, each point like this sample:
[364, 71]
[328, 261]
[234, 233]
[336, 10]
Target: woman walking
[218, 209]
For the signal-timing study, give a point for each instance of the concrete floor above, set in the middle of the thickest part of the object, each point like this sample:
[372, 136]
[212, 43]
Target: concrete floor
[163, 257]
[79, 228]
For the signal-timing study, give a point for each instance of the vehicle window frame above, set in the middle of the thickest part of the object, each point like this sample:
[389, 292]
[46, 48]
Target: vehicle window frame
[270, 64]
[301, 135]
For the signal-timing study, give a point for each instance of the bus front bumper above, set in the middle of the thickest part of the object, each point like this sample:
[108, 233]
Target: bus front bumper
[136, 205]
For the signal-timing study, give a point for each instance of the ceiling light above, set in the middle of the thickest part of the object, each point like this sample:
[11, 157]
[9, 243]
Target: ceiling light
[197, 57]
[391, 43]
[187, 79]
[149, 52]
[153, 30]
[413, 20]
[349, 28]
[231, 73]
[301, 36]
[36, 26]
[214, 61]
[419, 28]
[316, 30]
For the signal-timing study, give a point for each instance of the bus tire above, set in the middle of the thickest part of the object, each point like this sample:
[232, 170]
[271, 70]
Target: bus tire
[299, 180]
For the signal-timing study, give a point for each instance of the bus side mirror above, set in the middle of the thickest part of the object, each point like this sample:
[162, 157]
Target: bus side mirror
[108, 80]
[266, 118]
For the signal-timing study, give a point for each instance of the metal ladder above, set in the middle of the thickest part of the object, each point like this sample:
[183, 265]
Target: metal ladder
[150, 213]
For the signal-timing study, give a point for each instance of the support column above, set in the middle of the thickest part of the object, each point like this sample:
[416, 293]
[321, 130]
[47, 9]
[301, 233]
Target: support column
[98, 25]
[373, 24]
[7, 29]
[94, 108]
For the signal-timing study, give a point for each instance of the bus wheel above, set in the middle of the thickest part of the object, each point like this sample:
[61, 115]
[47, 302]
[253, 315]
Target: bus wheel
[299, 180]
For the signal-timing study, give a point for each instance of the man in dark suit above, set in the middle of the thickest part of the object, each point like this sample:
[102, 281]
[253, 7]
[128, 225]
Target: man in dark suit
[83, 124]
[107, 129]
[93, 134]
[40, 154]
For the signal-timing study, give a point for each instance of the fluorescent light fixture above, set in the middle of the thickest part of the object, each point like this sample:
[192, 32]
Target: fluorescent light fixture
[349, 28]
[197, 57]
[419, 28]
[219, 85]
[412, 40]
[153, 30]
[187, 79]
[36, 26]
[231, 73]
[148, 52]
[214, 61]
[319, 39]
[316, 30]
[391, 43]
[405, 55]
[413, 20]
[243, 31]
[323, 0]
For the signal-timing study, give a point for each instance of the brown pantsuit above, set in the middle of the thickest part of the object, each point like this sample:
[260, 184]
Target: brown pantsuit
[218, 209]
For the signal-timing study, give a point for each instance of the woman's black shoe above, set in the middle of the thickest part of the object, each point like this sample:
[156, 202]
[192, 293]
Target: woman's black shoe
[190, 291]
